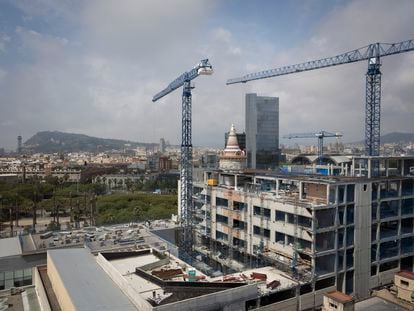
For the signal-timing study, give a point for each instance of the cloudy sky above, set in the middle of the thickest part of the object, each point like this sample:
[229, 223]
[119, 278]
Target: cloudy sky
[93, 66]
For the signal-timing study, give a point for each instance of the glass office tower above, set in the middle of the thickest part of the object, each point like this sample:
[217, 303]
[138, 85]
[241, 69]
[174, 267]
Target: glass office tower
[262, 131]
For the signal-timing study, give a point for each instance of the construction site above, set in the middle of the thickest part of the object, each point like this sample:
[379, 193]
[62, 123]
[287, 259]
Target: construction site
[250, 234]
[328, 223]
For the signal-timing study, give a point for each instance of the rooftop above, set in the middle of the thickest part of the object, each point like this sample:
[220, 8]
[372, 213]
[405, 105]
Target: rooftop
[339, 297]
[406, 274]
[90, 278]
[10, 247]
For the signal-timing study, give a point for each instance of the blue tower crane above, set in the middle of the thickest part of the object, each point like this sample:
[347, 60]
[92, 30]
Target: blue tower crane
[320, 135]
[373, 53]
[186, 171]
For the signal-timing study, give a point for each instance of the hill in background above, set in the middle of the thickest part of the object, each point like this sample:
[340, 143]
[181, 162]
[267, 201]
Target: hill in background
[397, 137]
[54, 141]
[394, 137]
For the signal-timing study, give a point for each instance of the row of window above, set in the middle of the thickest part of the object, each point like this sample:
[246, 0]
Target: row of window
[390, 229]
[342, 197]
[392, 248]
[16, 278]
[290, 218]
[392, 208]
[403, 264]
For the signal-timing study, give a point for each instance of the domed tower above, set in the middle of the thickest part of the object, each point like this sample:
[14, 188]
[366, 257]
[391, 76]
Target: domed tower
[232, 157]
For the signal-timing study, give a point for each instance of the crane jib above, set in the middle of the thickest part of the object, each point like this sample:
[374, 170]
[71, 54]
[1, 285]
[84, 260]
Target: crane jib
[375, 50]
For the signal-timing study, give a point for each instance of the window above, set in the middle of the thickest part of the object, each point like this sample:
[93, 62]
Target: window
[325, 218]
[341, 194]
[239, 224]
[257, 231]
[389, 229]
[257, 210]
[350, 214]
[325, 241]
[373, 270]
[280, 216]
[407, 206]
[331, 194]
[333, 305]
[238, 242]
[389, 209]
[222, 219]
[349, 258]
[221, 236]
[341, 213]
[404, 283]
[290, 218]
[239, 206]
[389, 249]
[280, 237]
[350, 193]
[341, 237]
[222, 202]
[305, 221]
[350, 236]
[373, 232]
[388, 266]
[374, 207]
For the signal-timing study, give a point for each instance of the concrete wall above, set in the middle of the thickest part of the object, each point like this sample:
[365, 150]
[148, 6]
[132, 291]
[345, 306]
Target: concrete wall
[383, 278]
[229, 300]
[327, 302]
[119, 280]
[285, 305]
[40, 291]
[59, 289]
[306, 301]
[362, 240]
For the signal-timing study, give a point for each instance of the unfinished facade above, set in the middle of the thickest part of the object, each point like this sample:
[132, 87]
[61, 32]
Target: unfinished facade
[352, 232]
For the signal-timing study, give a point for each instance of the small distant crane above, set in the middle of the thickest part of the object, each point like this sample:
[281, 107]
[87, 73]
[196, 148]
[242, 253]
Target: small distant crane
[320, 135]
[186, 171]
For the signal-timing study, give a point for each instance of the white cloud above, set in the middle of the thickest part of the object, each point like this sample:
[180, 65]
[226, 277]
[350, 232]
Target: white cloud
[100, 79]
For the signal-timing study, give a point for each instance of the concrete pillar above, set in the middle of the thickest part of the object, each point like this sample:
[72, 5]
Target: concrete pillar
[277, 187]
[387, 167]
[362, 236]
[353, 167]
[235, 182]
[369, 167]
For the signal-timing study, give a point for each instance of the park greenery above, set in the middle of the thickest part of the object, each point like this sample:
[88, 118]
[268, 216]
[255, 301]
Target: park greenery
[127, 207]
[53, 197]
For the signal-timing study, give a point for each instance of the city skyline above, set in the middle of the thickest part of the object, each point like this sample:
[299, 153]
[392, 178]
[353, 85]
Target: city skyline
[92, 67]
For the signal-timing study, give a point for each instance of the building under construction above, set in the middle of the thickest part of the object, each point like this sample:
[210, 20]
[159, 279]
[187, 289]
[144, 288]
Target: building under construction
[327, 225]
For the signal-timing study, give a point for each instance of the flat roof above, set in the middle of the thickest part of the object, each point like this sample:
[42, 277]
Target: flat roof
[340, 297]
[90, 288]
[377, 304]
[20, 262]
[10, 247]
[272, 274]
[406, 274]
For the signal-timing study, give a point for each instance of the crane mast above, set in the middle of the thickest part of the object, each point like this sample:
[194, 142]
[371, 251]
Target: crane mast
[373, 53]
[186, 166]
